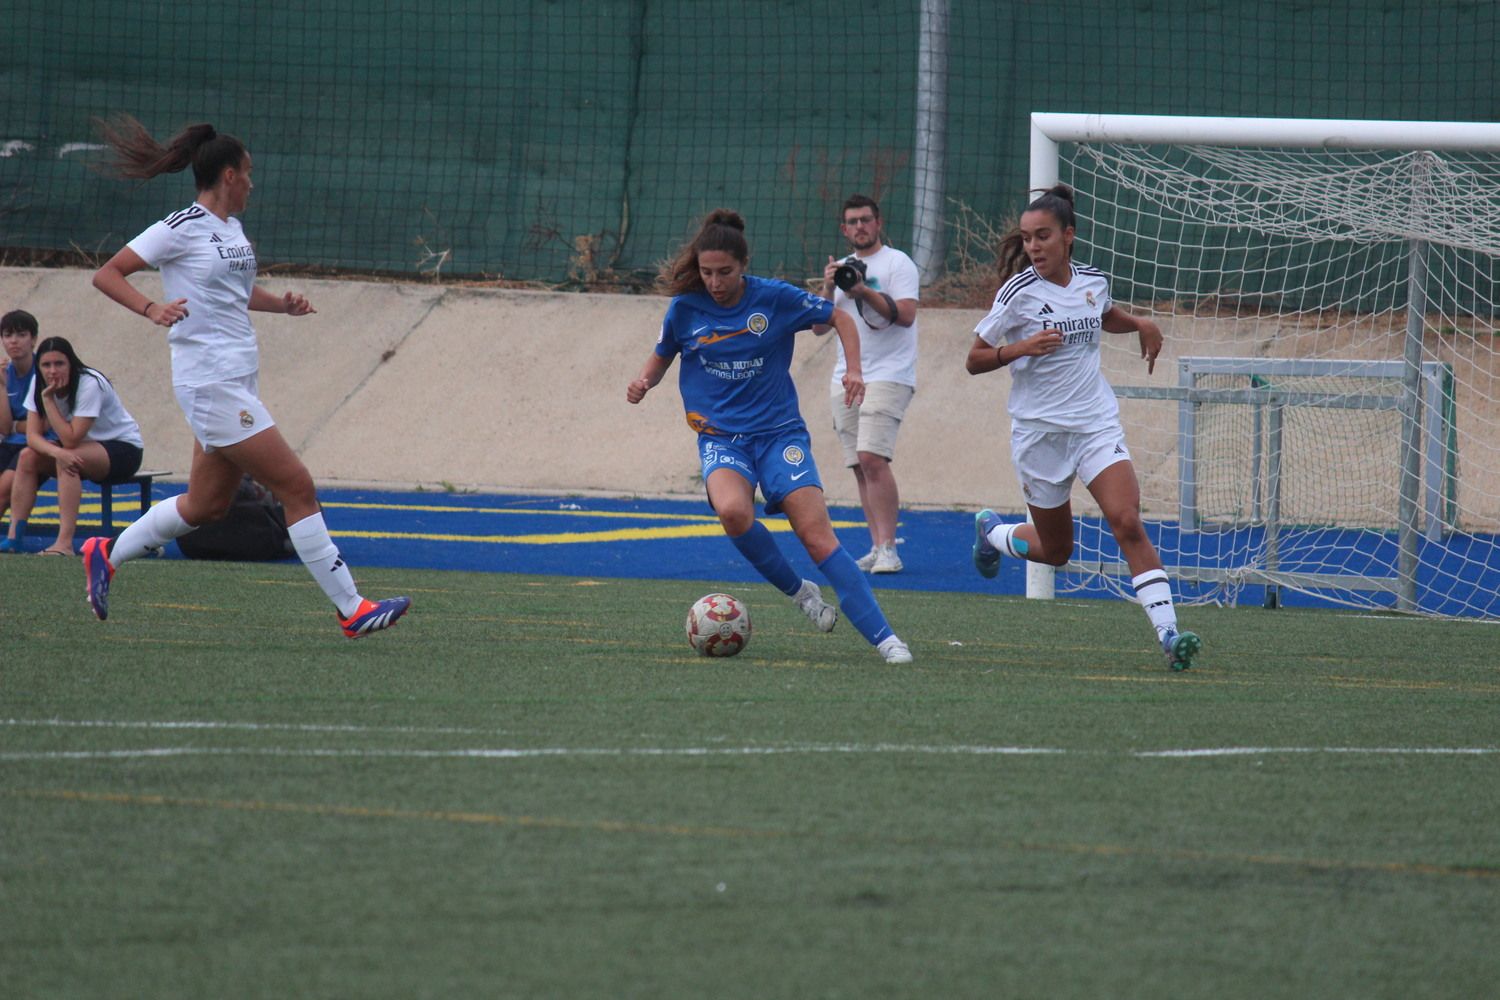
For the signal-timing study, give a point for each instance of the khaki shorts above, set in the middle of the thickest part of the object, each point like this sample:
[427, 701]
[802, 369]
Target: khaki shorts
[224, 413]
[872, 425]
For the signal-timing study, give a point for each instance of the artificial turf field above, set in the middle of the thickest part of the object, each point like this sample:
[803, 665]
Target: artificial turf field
[531, 787]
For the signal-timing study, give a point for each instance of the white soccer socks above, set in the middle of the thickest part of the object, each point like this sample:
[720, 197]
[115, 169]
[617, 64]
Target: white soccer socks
[149, 532]
[1155, 595]
[1003, 537]
[321, 557]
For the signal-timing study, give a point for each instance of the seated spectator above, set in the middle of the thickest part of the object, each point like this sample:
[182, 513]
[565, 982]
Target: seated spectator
[18, 331]
[96, 439]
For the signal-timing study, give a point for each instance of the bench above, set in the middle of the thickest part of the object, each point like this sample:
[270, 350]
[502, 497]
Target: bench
[141, 479]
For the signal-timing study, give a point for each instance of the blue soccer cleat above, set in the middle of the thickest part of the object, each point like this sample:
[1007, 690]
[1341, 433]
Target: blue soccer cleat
[986, 556]
[1181, 648]
[372, 616]
[97, 573]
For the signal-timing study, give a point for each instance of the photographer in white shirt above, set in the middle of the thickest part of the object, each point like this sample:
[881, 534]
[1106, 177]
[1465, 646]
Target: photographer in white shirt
[879, 287]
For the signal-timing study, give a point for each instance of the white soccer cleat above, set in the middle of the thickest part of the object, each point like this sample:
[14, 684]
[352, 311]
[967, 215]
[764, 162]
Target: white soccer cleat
[810, 600]
[886, 560]
[866, 562]
[893, 650]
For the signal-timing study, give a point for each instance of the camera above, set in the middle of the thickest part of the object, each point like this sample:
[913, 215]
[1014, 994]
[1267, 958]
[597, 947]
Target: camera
[850, 273]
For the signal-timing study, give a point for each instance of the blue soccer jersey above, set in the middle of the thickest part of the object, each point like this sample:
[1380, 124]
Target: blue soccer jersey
[736, 361]
[15, 388]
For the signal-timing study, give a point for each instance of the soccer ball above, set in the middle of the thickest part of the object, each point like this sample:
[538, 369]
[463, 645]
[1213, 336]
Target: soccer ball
[718, 625]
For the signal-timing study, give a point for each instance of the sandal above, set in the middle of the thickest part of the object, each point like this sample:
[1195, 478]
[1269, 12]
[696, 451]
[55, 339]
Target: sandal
[56, 552]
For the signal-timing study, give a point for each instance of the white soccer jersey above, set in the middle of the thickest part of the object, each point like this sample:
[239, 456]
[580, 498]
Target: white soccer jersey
[1065, 390]
[96, 398]
[209, 262]
[887, 353]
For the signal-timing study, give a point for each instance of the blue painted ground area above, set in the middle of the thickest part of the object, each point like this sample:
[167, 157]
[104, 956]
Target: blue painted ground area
[578, 536]
[681, 539]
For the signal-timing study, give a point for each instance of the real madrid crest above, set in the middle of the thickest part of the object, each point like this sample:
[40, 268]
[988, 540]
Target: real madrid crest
[247, 419]
[1089, 297]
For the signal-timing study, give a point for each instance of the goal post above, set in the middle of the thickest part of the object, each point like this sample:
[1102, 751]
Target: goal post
[1327, 290]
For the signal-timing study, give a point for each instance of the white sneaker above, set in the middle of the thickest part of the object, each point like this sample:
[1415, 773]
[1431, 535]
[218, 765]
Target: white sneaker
[866, 561]
[894, 650]
[810, 600]
[886, 560]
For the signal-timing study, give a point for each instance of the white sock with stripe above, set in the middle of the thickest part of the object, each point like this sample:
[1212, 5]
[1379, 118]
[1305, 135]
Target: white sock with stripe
[1003, 537]
[321, 557]
[1155, 595]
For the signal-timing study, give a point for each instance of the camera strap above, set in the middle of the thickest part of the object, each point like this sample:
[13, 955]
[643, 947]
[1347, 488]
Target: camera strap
[859, 304]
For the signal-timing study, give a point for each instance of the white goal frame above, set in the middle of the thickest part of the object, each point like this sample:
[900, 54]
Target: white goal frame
[1049, 130]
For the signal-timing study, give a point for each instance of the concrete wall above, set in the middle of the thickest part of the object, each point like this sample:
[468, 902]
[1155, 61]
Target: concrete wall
[408, 384]
[500, 390]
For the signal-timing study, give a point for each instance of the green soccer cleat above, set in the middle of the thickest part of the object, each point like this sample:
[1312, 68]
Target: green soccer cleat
[1181, 648]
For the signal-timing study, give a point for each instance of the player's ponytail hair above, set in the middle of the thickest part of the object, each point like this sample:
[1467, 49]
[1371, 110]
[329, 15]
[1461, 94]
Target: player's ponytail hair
[1058, 200]
[724, 229]
[139, 156]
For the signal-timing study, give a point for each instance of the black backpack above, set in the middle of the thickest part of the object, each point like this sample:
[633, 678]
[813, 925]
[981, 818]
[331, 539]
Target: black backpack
[253, 531]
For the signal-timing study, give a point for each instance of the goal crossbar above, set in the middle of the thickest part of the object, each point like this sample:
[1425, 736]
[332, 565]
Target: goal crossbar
[1419, 393]
[1050, 128]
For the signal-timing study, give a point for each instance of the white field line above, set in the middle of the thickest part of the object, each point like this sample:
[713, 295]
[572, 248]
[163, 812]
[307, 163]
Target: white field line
[242, 726]
[523, 753]
[529, 753]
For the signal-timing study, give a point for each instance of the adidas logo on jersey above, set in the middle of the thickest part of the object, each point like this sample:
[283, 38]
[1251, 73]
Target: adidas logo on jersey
[1046, 310]
[215, 238]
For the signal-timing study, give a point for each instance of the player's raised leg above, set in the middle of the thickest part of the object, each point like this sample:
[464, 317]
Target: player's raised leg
[271, 462]
[808, 512]
[733, 500]
[211, 482]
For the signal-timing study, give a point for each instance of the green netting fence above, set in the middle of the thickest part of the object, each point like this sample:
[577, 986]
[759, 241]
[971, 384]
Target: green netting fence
[576, 143]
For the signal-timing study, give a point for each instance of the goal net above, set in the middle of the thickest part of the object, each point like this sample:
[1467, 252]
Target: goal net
[1322, 425]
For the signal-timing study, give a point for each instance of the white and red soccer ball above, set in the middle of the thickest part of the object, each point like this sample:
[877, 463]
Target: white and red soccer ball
[718, 625]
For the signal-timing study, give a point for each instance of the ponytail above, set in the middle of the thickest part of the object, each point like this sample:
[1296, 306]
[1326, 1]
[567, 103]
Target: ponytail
[724, 229]
[1058, 200]
[139, 156]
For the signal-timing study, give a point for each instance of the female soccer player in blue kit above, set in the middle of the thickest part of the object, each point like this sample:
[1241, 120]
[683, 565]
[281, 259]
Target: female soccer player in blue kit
[735, 334]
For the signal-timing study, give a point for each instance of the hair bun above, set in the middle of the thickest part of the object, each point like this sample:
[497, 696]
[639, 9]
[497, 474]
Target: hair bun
[725, 217]
[1062, 191]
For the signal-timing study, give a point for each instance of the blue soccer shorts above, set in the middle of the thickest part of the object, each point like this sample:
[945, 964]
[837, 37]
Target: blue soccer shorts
[779, 462]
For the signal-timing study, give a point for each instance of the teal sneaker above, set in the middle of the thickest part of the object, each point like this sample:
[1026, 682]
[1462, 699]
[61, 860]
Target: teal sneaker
[1181, 648]
[986, 556]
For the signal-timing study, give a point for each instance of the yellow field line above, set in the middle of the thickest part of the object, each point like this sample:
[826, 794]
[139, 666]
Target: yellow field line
[698, 526]
[450, 509]
[683, 830]
[573, 537]
[375, 812]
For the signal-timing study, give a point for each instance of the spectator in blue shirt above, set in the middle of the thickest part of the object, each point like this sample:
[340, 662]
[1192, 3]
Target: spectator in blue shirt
[18, 333]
